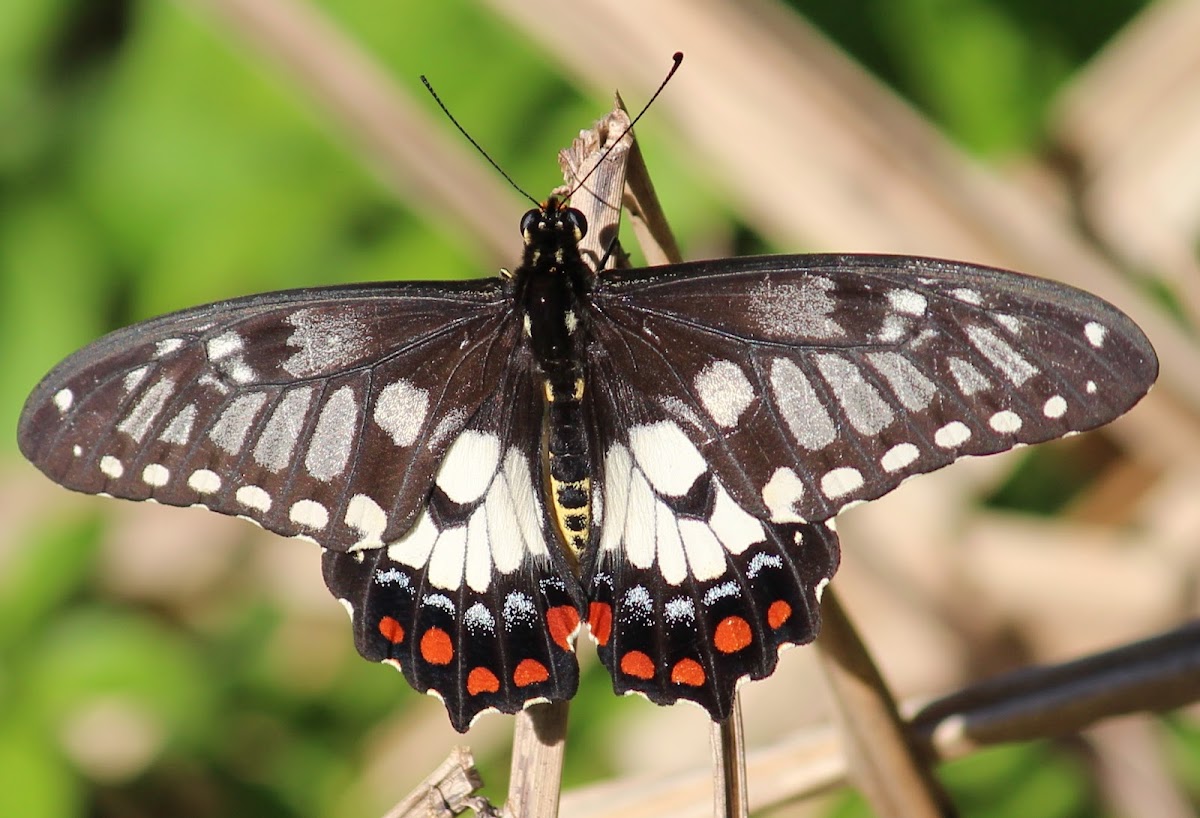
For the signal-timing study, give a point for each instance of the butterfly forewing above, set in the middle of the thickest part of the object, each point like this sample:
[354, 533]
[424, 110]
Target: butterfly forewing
[320, 413]
[813, 382]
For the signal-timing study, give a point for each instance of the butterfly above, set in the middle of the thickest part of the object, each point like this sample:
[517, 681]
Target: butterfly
[654, 456]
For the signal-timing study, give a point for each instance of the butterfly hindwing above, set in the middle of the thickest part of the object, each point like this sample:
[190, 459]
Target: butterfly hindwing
[320, 413]
[688, 592]
[813, 382]
[475, 603]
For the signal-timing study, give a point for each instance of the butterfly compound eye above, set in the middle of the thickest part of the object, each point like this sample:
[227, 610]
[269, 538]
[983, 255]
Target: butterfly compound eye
[576, 221]
[530, 220]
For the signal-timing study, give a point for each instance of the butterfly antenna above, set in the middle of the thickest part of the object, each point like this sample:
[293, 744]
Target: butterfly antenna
[477, 146]
[677, 59]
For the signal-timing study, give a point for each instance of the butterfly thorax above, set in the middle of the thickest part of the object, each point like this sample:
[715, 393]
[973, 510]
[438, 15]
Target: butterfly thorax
[551, 285]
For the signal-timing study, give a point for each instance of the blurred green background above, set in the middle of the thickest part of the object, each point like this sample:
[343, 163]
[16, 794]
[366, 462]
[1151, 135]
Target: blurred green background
[149, 161]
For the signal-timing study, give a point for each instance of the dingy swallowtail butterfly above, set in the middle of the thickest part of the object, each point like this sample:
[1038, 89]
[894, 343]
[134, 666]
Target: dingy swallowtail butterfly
[655, 453]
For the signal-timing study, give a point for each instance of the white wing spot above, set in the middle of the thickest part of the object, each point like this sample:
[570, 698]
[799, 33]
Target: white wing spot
[478, 618]
[969, 379]
[1095, 333]
[899, 456]
[133, 377]
[224, 345]
[111, 466]
[679, 610]
[439, 601]
[204, 481]
[142, 416]
[782, 495]
[908, 301]
[955, 433]
[670, 461]
[1056, 407]
[156, 474]
[400, 411]
[333, 439]
[282, 430]
[229, 432]
[309, 513]
[720, 592]
[762, 561]
[792, 311]
[724, 391]
[1009, 322]
[841, 481]
[167, 346]
[865, 409]
[366, 517]
[1005, 422]
[326, 341]
[966, 296]
[63, 399]
[254, 497]
[77, 450]
[1091, 387]
[735, 528]
[1001, 354]
[179, 429]
[802, 410]
[469, 466]
[909, 384]
[519, 609]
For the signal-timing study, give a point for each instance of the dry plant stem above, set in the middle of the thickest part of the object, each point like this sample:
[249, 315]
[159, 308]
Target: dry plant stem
[883, 763]
[539, 743]
[730, 789]
[444, 792]
[731, 793]
[395, 135]
[1156, 674]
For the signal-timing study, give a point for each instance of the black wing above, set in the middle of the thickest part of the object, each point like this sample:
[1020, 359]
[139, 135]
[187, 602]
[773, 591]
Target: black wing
[813, 382]
[476, 604]
[736, 405]
[317, 413]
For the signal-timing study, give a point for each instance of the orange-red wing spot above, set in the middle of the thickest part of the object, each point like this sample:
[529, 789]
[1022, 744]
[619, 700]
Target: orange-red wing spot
[600, 621]
[732, 634]
[688, 672]
[562, 621]
[638, 665]
[482, 680]
[530, 672]
[436, 647]
[392, 630]
[778, 613]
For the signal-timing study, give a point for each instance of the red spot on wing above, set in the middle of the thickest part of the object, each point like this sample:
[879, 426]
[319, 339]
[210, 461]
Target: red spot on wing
[732, 634]
[688, 672]
[482, 680]
[778, 613]
[600, 621]
[436, 647]
[638, 665]
[530, 672]
[562, 621]
[392, 630]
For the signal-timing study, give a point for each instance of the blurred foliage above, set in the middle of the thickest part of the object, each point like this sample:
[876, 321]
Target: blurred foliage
[149, 162]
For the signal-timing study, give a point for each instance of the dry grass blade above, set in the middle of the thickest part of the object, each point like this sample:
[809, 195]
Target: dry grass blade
[539, 743]
[883, 761]
[397, 137]
[445, 792]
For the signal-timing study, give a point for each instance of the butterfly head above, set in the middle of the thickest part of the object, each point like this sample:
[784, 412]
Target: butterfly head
[554, 223]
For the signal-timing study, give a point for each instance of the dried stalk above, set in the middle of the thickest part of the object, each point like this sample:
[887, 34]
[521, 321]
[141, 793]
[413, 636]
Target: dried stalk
[883, 761]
